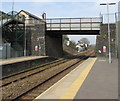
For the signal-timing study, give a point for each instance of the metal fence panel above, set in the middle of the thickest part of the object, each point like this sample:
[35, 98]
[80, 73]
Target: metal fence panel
[5, 50]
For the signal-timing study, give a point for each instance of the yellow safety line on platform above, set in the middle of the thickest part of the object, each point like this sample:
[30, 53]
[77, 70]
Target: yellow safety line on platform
[72, 91]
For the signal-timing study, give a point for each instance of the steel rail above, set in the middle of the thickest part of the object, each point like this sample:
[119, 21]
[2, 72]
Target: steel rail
[20, 78]
[31, 69]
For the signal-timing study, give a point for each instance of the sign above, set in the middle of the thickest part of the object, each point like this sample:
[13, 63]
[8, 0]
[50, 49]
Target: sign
[36, 48]
[104, 49]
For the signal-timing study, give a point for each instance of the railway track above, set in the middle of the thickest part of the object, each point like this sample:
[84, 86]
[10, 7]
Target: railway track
[24, 74]
[25, 94]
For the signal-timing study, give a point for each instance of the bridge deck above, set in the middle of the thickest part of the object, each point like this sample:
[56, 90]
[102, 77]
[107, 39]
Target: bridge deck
[73, 26]
[72, 32]
[74, 23]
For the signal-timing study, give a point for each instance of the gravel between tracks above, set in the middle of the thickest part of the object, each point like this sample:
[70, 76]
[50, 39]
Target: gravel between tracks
[21, 86]
[40, 89]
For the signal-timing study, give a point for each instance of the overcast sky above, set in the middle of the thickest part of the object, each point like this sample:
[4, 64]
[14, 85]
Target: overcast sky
[63, 8]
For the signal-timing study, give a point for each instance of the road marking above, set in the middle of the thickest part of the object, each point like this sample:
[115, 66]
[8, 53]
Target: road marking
[72, 91]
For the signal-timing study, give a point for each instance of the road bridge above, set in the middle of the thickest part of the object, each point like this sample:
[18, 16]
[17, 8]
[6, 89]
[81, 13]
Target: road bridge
[73, 26]
[56, 27]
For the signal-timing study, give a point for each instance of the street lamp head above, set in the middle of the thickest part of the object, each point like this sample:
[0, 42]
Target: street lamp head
[107, 3]
[103, 4]
[111, 3]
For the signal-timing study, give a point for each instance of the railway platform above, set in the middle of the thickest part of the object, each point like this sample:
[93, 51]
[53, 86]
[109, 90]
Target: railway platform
[94, 79]
[14, 65]
[19, 59]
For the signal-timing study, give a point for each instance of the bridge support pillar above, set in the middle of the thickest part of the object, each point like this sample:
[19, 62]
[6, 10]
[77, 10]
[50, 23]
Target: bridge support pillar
[54, 45]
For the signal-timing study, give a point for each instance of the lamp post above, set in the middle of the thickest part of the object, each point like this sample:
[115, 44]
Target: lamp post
[12, 7]
[25, 40]
[110, 57]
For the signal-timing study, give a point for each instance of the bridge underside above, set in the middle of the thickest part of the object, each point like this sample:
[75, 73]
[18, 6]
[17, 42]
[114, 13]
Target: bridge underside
[72, 32]
[56, 27]
[54, 45]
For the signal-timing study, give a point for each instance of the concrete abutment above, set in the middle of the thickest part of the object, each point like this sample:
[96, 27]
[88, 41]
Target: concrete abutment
[54, 45]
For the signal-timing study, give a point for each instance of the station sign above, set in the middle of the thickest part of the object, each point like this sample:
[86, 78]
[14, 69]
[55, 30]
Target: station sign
[36, 48]
[104, 49]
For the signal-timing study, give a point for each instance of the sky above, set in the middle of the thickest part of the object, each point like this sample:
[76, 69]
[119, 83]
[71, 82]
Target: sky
[64, 8]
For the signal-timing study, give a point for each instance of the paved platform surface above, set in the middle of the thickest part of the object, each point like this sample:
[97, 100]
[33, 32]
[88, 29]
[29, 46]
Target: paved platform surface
[102, 81]
[19, 59]
[93, 79]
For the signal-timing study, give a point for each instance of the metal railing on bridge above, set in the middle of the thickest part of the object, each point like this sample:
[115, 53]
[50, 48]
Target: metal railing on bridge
[74, 23]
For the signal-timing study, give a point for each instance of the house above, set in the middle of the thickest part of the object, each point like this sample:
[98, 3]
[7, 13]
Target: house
[30, 18]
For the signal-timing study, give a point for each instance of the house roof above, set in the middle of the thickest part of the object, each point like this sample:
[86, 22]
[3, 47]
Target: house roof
[2, 13]
[31, 15]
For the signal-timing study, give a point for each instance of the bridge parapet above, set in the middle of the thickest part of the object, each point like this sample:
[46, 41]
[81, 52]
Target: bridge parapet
[74, 23]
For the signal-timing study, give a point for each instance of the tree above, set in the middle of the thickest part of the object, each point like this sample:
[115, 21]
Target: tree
[85, 40]
[73, 44]
[65, 38]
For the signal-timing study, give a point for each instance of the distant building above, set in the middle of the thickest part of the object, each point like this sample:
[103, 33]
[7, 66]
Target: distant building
[2, 14]
[28, 15]
[79, 48]
[30, 18]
